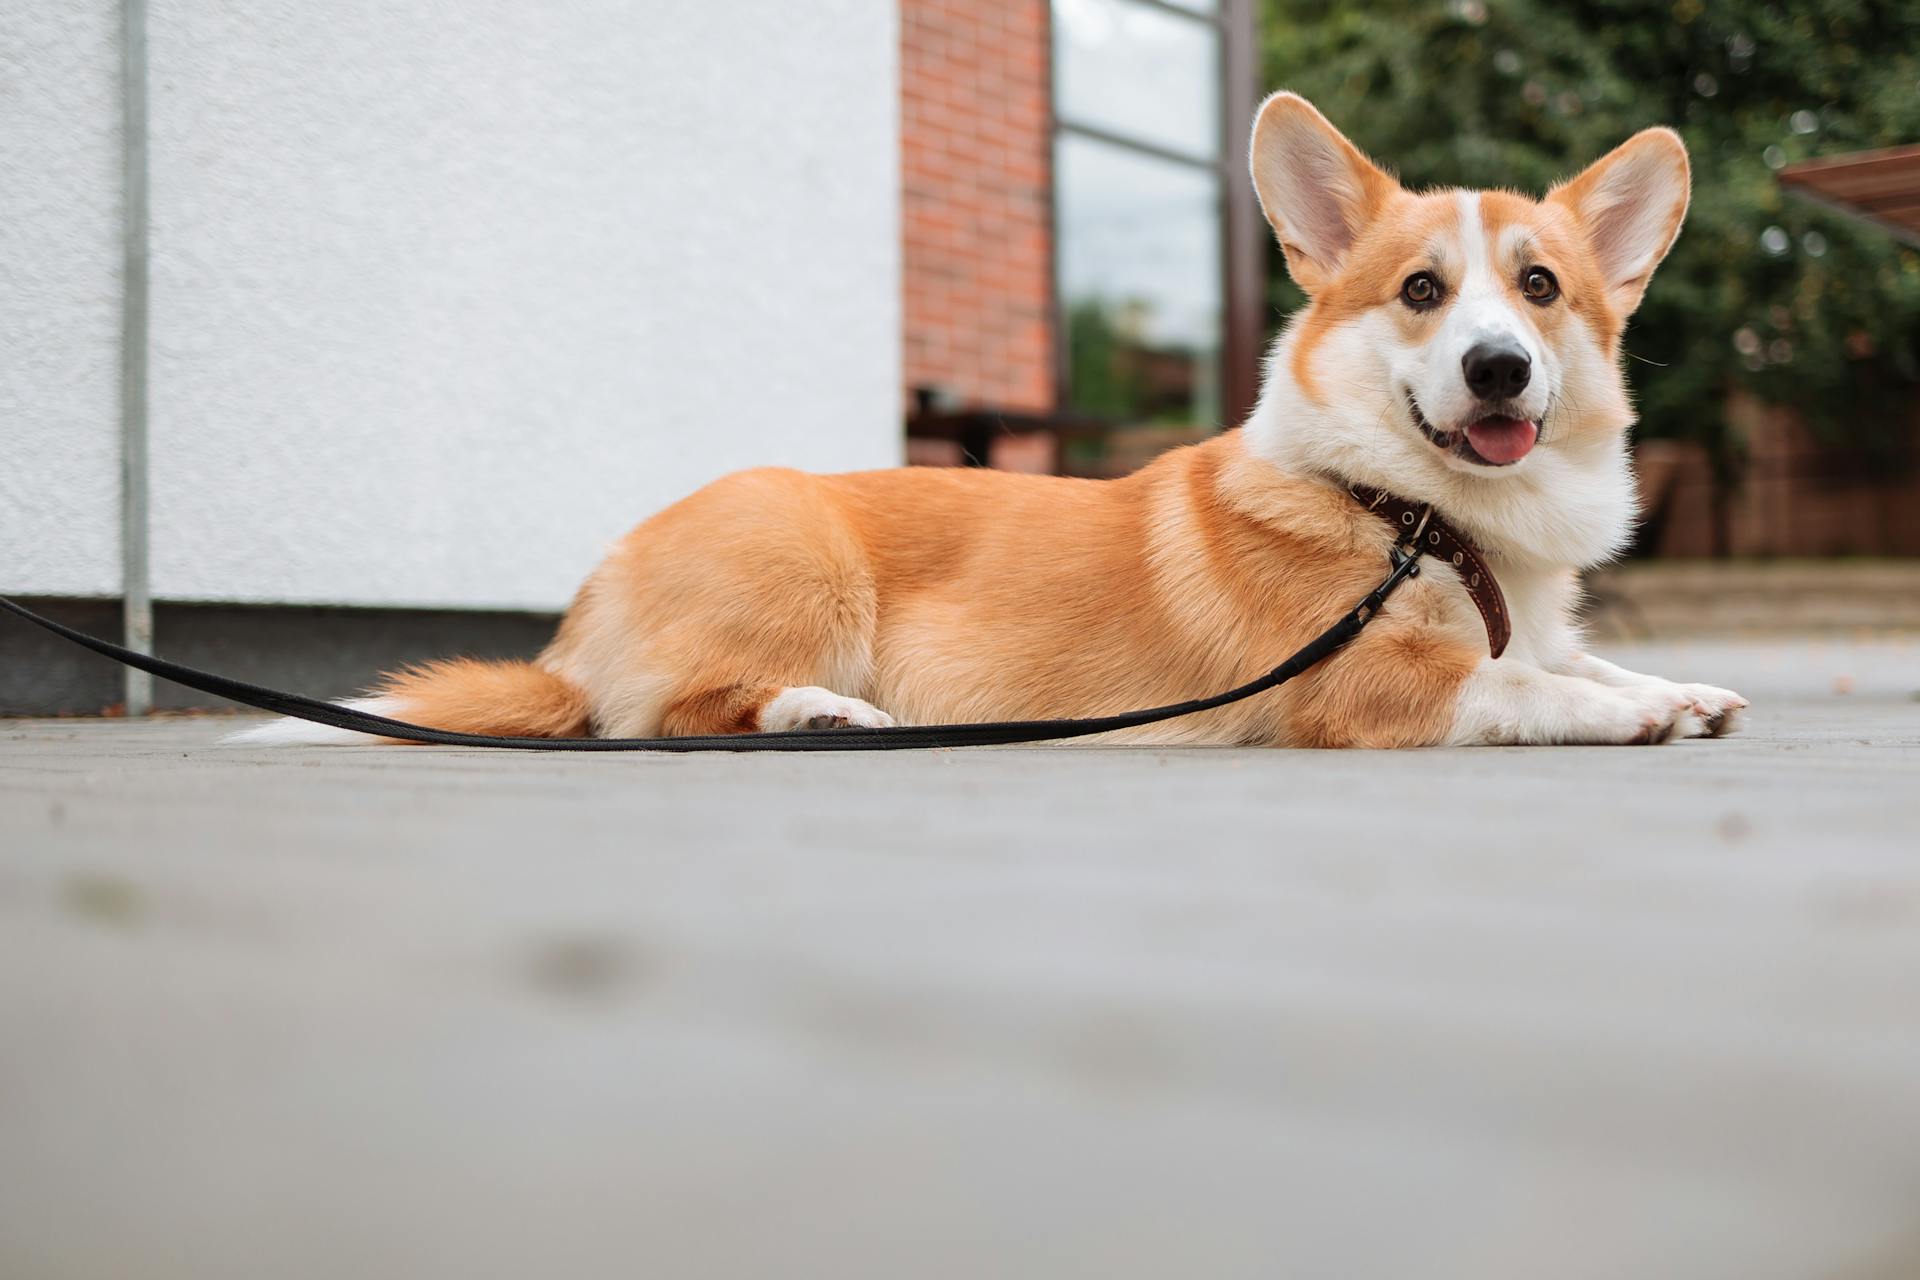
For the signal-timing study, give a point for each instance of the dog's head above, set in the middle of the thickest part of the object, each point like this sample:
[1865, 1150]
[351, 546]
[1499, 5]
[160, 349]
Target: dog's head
[1470, 331]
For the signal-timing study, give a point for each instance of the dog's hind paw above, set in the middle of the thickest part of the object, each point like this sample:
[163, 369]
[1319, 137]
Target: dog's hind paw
[811, 707]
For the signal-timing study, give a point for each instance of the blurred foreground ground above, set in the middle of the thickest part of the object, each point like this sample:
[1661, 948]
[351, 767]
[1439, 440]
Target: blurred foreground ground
[1499, 1013]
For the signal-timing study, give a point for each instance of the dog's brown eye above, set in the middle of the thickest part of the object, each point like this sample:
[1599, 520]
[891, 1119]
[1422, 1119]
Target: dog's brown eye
[1421, 290]
[1539, 285]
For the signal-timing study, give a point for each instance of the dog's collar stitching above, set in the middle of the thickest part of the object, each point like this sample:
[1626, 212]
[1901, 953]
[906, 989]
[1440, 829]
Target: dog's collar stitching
[1439, 540]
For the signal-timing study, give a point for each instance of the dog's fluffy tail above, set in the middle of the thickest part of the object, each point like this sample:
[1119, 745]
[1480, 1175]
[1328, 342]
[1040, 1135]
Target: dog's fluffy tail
[507, 699]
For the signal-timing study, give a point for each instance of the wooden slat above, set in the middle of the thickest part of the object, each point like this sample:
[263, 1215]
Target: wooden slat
[1887, 159]
[1880, 187]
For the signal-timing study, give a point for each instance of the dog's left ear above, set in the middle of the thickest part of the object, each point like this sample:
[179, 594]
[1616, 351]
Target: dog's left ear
[1631, 201]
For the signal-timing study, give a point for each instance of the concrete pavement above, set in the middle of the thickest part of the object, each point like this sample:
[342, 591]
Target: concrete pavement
[1569, 1012]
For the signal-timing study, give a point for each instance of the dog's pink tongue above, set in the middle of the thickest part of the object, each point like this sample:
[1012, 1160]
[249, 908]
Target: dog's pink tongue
[1502, 439]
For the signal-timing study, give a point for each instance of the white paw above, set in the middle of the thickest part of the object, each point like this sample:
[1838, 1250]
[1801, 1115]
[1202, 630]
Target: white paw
[1662, 712]
[1719, 708]
[811, 707]
[1596, 715]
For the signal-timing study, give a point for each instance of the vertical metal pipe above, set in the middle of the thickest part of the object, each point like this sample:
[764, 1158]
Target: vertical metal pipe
[136, 596]
[1244, 244]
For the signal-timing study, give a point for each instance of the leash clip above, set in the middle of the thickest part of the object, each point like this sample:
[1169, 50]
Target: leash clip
[1408, 549]
[1413, 538]
[1405, 559]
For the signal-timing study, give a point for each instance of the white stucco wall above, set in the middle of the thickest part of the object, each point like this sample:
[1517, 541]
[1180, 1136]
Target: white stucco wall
[60, 250]
[445, 298]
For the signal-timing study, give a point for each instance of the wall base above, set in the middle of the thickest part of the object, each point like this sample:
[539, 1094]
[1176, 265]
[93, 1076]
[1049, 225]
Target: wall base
[324, 652]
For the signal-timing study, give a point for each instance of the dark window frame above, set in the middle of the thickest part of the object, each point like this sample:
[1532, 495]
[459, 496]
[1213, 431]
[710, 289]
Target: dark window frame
[1242, 260]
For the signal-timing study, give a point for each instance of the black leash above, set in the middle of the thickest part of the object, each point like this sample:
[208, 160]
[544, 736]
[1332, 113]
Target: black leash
[1406, 563]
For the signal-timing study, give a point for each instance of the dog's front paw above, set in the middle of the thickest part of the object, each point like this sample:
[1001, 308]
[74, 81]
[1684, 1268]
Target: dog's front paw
[1709, 712]
[1719, 708]
[1664, 712]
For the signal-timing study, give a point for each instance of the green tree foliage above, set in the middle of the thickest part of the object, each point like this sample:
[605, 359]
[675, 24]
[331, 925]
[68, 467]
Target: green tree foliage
[1803, 306]
[1103, 383]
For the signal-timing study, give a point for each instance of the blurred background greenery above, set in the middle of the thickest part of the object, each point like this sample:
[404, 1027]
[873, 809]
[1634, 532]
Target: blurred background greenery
[1802, 307]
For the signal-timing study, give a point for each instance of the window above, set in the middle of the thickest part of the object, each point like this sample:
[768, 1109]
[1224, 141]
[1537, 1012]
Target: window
[1154, 275]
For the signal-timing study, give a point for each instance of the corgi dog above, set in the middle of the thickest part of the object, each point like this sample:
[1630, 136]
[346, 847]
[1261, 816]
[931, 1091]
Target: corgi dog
[1460, 349]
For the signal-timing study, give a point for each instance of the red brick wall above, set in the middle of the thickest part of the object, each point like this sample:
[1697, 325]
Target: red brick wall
[977, 163]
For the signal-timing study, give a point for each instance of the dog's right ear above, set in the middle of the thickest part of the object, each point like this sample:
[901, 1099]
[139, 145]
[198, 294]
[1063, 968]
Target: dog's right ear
[1316, 188]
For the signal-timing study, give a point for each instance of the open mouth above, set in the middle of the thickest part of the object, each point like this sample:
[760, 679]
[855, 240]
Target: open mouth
[1494, 439]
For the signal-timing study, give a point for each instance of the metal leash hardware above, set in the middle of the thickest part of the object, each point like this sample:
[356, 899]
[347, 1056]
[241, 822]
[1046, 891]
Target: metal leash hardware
[1405, 558]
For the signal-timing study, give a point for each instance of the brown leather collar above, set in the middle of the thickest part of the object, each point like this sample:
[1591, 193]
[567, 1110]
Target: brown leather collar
[1441, 541]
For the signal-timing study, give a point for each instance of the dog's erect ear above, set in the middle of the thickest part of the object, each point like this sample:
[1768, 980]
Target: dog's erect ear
[1631, 201]
[1316, 188]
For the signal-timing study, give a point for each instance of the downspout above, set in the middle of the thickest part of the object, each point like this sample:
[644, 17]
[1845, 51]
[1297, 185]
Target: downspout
[135, 588]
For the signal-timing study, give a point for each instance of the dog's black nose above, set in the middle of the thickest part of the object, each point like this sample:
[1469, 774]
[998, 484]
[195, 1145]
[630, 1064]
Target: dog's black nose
[1496, 370]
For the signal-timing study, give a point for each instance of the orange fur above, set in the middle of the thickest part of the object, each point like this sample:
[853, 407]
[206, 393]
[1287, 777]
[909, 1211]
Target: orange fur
[952, 595]
[733, 708]
[466, 695]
